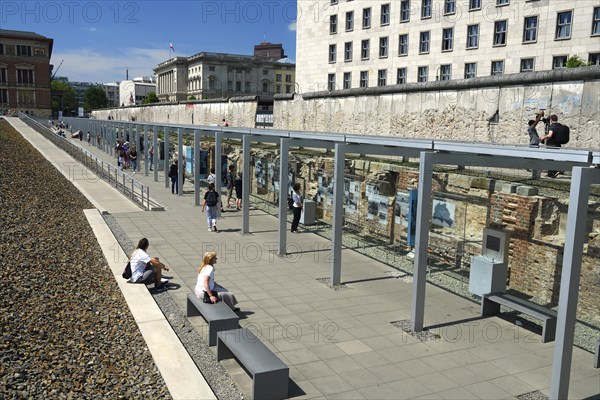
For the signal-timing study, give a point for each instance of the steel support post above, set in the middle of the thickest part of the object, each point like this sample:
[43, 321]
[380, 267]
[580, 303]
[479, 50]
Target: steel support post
[246, 185]
[180, 170]
[166, 155]
[156, 151]
[196, 168]
[575, 238]
[144, 153]
[338, 212]
[137, 147]
[422, 240]
[217, 165]
[284, 146]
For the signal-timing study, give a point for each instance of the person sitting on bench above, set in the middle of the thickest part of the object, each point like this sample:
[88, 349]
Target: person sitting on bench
[206, 283]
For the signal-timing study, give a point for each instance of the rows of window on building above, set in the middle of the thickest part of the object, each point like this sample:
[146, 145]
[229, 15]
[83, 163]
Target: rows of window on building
[470, 39]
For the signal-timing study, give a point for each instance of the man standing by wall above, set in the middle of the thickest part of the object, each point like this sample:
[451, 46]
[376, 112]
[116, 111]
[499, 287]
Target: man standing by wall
[551, 139]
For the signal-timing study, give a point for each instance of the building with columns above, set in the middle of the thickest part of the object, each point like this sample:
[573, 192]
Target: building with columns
[220, 75]
[25, 72]
[365, 43]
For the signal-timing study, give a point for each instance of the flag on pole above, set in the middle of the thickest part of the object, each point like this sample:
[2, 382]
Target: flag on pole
[171, 47]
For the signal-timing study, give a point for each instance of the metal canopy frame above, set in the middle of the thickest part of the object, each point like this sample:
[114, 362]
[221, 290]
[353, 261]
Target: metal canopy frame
[585, 166]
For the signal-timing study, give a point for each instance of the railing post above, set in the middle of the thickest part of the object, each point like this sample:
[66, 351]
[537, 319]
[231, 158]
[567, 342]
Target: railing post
[148, 197]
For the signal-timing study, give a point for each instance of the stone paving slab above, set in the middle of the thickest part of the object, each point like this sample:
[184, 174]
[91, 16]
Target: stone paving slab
[341, 344]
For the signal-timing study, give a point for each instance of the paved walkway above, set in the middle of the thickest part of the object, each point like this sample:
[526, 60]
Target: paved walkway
[341, 344]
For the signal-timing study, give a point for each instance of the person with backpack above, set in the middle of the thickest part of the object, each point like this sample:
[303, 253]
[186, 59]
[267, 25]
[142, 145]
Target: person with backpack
[558, 134]
[211, 202]
[229, 182]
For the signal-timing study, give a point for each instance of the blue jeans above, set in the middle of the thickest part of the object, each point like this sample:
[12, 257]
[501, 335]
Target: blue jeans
[174, 185]
[211, 215]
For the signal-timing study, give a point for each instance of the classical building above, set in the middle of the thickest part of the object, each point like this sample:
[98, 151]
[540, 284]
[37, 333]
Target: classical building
[25, 72]
[134, 92]
[220, 75]
[366, 43]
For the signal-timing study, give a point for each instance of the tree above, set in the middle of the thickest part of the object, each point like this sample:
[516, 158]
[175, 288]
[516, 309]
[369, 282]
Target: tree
[69, 102]
[94, 98]
[576, 61]
[192, 97]
[151, 98]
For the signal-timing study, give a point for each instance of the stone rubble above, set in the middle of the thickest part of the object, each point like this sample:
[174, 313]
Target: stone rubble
[66, 329]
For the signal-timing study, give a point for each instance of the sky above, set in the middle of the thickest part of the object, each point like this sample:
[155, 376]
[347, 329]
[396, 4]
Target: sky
[98, 41]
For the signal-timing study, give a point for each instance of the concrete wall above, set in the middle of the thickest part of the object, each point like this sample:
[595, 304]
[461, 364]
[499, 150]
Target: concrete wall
[488, 109]
[237, 113]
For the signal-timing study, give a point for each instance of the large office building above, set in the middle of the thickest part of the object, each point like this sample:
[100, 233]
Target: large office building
[25, 72]
[220, 75]
[365, 43]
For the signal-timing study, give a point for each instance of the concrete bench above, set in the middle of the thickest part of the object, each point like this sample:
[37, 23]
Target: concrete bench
[218, 316]
[490, 305]
[270, 375]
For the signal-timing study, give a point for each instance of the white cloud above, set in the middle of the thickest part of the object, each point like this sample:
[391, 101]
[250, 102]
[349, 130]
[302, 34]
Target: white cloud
[292, 27]
[88, 65]
[92, 29]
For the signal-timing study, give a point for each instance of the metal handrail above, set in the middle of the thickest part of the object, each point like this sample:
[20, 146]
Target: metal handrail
[136, 191]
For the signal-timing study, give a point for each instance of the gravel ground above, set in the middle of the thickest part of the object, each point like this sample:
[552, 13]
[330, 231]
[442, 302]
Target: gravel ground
[66, 329]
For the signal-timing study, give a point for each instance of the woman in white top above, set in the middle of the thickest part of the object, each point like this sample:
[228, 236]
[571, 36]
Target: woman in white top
[206, 283]
[145, 269]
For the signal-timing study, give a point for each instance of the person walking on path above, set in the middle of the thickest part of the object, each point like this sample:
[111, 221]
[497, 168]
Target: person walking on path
[229, 182]
[151, 156]
[206, 285]
[297, 208]
[174, 175]
[145, 269]
[211, 202]
[238, 190]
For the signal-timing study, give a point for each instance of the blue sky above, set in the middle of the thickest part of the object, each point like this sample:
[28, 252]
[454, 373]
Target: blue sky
[98, 40]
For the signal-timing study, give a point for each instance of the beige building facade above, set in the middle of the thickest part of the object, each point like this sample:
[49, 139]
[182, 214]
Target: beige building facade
[219, 75]
[366, 43]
